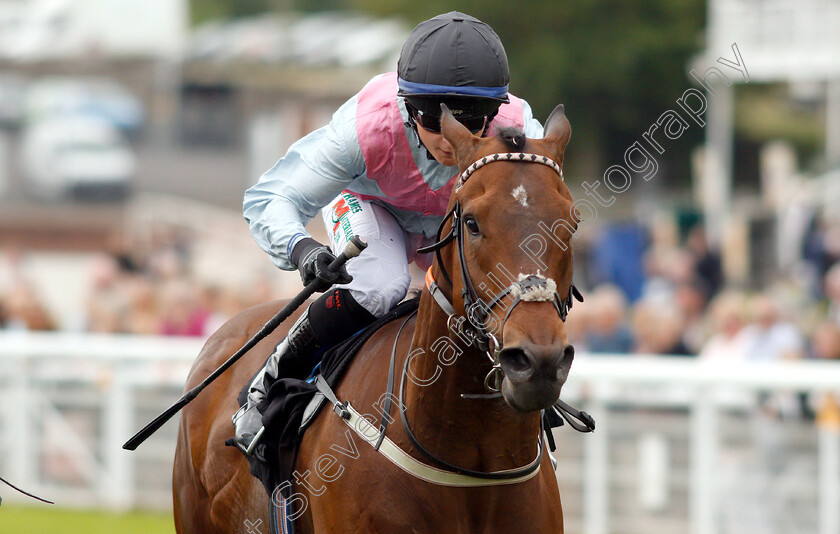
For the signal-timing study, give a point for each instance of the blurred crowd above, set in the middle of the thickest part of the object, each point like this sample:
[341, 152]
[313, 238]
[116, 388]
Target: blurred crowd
[684, 308]
[663, 296]
[149, 291]
[681, 306]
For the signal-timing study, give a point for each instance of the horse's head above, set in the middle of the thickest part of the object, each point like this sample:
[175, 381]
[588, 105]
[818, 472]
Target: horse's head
[514, 254]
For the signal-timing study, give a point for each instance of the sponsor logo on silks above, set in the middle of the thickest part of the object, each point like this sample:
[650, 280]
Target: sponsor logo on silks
[334, 300]
[339, 210]
[352, 201]
[347, 204]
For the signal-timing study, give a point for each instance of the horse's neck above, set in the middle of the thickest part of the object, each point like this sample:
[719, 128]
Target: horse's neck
[476, 433]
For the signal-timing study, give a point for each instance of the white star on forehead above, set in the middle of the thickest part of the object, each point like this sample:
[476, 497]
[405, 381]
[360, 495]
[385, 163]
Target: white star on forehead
[520, 195]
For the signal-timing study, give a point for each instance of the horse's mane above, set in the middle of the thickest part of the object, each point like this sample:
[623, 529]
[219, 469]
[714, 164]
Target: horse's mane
[513, 137]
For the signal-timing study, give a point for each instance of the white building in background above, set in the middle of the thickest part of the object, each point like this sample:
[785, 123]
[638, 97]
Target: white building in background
[35, 30]
[789, 41]
[796, 42]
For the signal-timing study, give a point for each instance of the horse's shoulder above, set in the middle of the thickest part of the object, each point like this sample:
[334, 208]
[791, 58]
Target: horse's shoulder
[366, 377]
[382, 341]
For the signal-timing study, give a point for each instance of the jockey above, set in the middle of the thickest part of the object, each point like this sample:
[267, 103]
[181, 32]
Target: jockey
[380, 169]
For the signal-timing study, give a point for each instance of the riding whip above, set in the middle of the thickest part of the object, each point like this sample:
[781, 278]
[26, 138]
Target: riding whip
[6, 482]
[353, 249]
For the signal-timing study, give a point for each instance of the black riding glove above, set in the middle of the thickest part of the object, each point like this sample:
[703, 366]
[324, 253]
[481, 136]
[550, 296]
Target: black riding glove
[312, 259]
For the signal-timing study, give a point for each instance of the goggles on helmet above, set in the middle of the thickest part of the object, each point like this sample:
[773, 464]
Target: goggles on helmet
[431, 122]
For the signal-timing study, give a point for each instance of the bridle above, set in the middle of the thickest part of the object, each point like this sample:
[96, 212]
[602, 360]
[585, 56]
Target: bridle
[472, 329]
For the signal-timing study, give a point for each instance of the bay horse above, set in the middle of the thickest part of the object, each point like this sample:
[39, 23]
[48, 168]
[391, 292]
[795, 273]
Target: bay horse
[471, 420]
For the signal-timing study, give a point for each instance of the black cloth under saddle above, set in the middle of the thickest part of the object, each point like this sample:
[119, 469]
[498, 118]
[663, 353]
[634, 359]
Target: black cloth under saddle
[287, 400]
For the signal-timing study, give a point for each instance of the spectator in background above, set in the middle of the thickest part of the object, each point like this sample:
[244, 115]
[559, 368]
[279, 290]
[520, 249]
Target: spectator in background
[108, 304]
[825, 346]
[666, 270]
[658, 327]
[617, 258]
[143, 314]
[23, 310]
[690, 299]
[607, 327]
[707, 262]
[832, 292]
[816, 261]
[831, 241]
[825, 343]
[658, 284]
[182, 313]
[224, 303]
[728, 316]
[166, 264]
[771, 338]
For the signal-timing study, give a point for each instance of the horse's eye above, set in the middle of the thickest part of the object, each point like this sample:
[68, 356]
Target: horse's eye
[472, 225]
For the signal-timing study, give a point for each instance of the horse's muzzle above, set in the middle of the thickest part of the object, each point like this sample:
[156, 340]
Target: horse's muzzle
[534, 374]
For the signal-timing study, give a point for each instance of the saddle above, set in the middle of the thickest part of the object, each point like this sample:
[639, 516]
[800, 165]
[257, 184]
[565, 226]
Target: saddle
[291, 404]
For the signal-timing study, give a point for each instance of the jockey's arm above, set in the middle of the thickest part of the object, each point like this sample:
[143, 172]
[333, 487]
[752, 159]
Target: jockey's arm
[313, 172]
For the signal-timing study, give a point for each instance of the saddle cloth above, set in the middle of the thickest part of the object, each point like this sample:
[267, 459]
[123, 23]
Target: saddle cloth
[290, 399]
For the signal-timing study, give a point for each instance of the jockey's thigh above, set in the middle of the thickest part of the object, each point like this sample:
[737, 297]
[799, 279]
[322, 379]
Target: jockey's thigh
[380, 274]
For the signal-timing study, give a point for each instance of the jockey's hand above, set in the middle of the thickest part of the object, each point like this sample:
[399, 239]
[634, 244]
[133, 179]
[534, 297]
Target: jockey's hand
[312, 260]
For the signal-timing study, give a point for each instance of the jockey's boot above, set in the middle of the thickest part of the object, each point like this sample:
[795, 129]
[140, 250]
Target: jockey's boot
[294, 351]
[328, 321]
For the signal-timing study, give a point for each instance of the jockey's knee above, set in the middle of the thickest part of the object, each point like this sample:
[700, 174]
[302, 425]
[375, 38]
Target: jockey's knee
[379, 298]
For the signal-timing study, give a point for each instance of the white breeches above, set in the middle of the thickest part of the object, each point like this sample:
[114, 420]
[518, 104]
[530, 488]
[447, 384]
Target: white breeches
[380, 274]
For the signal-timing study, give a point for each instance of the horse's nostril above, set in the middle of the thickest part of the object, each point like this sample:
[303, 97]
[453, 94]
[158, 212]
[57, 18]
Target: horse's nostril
[568, 353]
[515, 361]
[564, 361]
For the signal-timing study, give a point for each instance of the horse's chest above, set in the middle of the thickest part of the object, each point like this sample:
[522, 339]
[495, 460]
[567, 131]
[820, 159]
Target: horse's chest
[397, 504]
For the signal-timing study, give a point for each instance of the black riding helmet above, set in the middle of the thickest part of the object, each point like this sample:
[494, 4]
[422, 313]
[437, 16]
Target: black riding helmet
[454, 59]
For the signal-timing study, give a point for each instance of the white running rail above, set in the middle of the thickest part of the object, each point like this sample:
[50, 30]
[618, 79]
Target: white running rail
[680, 446]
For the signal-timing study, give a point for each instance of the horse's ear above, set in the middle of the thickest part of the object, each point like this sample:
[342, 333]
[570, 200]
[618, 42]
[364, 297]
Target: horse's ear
[558, 131]
[461, 139]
